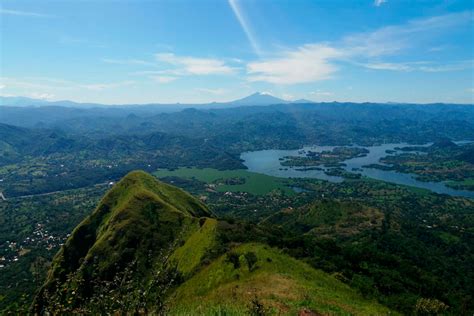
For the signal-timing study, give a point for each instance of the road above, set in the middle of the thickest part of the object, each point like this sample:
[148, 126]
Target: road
[49, 193]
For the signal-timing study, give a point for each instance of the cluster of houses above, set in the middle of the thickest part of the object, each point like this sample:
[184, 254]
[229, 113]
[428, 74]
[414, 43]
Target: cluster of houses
[40, 237]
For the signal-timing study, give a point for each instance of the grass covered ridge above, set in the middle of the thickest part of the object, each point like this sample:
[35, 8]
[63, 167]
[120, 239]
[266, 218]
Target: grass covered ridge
[135, 220]
[283, 285]
[181, 261]
[188, 257]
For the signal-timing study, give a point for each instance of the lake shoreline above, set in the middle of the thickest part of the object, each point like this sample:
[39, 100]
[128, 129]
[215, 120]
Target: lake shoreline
[269, 162]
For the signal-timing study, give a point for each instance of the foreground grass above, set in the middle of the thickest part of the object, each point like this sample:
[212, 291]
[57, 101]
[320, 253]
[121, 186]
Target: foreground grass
[283, 285]
[254, 183]
[189, 256]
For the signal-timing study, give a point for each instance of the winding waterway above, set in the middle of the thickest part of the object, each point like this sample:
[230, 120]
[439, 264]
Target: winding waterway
[268, 162]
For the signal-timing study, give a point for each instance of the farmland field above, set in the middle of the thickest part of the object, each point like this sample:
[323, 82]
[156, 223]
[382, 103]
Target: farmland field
[231, 180]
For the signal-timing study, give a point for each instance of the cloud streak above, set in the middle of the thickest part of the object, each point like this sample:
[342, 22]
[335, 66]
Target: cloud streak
[234, 4]
[163, 79]
[53, 84]
[194, 65]
[378, 3]
[320, 61]
[24, 13]
[128, 62]
[422, 66]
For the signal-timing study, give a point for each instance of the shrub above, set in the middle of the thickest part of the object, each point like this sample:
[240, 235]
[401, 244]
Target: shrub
[233, 258]
[251, 259]
[430, 306]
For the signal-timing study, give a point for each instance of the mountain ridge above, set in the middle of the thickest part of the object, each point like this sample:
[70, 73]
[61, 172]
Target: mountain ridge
[151, 248]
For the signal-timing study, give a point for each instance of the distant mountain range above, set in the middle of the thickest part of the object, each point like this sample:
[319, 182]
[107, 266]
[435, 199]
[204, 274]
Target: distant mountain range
[256, 99]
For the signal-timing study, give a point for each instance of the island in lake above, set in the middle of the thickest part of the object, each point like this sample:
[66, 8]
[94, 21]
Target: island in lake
[442, 161]
[327, 158]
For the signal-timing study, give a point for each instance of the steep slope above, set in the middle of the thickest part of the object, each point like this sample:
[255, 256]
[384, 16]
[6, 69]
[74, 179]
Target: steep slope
[151, 248]
[133, 224]
[256, 277]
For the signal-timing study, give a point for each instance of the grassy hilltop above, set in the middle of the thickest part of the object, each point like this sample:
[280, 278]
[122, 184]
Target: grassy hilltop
[152, 248]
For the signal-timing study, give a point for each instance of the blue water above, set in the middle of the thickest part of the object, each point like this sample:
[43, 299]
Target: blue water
[267, 162]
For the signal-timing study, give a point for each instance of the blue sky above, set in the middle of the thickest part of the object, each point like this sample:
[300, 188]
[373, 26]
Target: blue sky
[119, 52]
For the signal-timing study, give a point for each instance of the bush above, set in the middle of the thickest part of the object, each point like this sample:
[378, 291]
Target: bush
[430, 306]
[233, 258]
[251, 259]
[256, 308]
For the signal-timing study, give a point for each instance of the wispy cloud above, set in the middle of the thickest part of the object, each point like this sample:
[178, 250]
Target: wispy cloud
[392, 39]
[54, 84]
[105, 86]
[306, 64]
[245, 24]
[24, 13]
[42, 96]
[163, 79]
[320, 61]
[288, 97]
[319, 93]
[423, 66]
[78, 41]
[212, 91]
[378, 3]
[195, 65]
[128, 62]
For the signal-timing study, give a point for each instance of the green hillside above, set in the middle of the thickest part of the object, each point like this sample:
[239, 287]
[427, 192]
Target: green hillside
[150, 248]
[132, 225]
[329, 217]
[266, 276]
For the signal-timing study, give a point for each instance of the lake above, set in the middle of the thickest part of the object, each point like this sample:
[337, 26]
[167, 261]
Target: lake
[268, 162]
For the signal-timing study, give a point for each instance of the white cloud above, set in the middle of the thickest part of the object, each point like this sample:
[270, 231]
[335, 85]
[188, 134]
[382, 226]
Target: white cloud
[392, 39]
[378, 3]
[54, 84]
[42, 96]
[127, 62]
[104, 86]
[24, 13]
[287, 96]
[389, 66]
[163, 79]
[317, 61]
[194, 65]
[212, 91]
[319, 93]
[2, 86]
[423, 66]
[306, 64]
